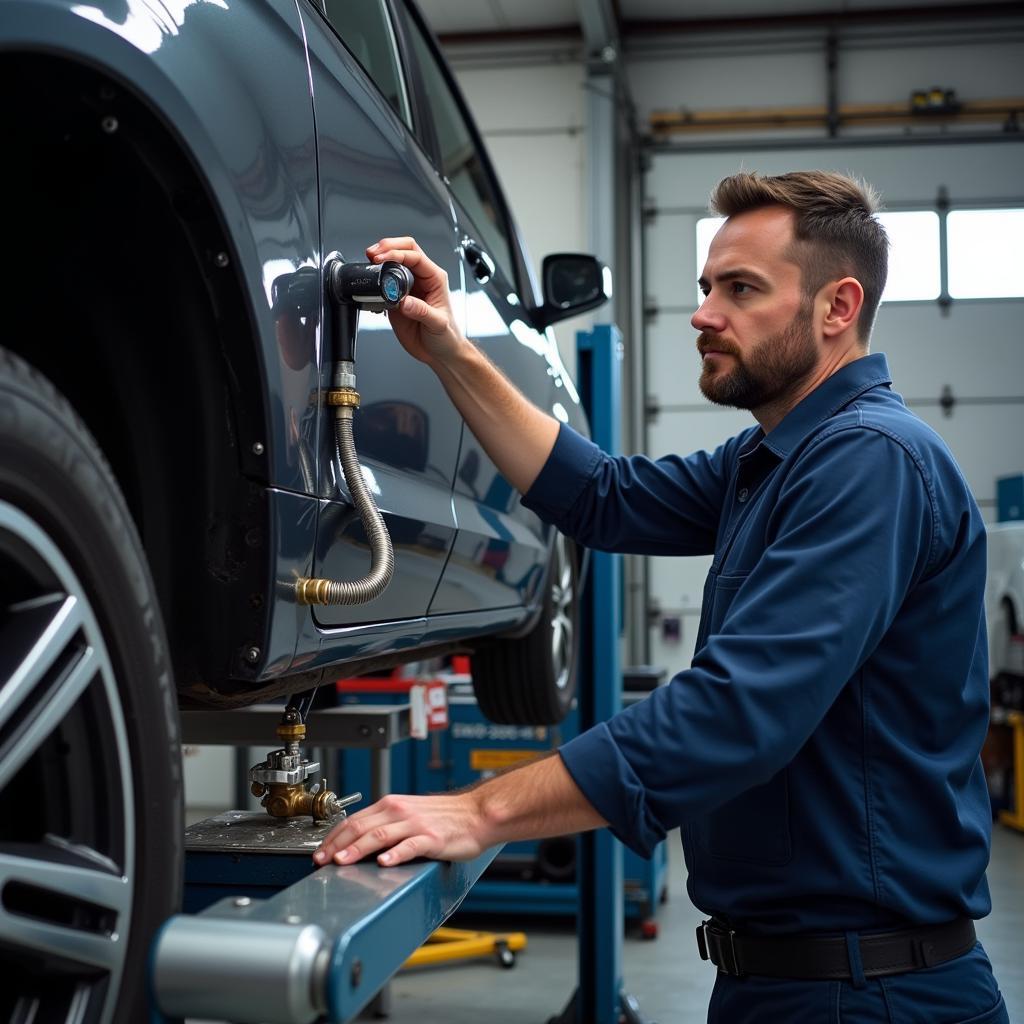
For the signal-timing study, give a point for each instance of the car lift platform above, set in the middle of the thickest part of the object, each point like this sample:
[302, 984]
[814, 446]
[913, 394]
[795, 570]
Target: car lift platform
[323, 946]
[276, 940]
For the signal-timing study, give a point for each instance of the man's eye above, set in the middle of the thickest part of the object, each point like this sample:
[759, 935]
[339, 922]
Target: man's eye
[739, 288]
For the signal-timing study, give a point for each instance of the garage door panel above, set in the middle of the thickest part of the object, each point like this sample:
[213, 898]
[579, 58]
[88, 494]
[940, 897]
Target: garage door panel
[903, 174]
[976, 349]
[673, 365]
[684, 432]
[670, 259]
[984, 440]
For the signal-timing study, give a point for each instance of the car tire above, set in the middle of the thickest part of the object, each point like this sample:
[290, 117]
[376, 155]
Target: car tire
[531, 680]
[90, 756]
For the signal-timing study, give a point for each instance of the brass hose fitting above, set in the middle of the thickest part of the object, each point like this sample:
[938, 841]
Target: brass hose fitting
[343, 396]
[294, 801]
[291, 732]
[308, 591]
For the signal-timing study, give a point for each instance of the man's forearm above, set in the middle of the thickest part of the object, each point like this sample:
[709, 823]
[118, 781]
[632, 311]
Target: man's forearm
[516, 435]
[534, 802]
[530, 802]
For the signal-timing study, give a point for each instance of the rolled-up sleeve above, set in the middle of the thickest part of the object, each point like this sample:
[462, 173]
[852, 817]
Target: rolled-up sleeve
[838, 563]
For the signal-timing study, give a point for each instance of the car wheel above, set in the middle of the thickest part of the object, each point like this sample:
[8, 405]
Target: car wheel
[90, 759]
[531, 680]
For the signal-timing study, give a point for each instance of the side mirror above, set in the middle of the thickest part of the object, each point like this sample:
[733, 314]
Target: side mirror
[573, 283]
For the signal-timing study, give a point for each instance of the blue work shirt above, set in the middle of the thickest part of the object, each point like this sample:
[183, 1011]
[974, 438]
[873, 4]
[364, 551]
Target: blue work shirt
[821, 753]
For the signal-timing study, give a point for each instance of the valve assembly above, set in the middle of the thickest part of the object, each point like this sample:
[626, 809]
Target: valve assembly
[281, 779]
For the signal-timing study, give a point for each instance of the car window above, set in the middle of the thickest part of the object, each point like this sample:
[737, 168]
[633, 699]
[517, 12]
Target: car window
[365, 29]
[461, 162]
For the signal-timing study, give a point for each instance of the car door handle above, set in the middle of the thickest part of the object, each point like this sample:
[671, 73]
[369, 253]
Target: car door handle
[479, 262]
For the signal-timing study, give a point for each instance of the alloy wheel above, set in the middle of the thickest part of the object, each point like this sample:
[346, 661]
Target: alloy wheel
[563, 598]
[67, 839]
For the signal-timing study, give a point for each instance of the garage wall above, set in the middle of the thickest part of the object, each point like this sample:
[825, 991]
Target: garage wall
[975, 348]
[530, 105]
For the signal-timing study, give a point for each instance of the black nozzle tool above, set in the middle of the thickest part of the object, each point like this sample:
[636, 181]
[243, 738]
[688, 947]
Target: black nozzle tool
[370, 286]
[351, 287]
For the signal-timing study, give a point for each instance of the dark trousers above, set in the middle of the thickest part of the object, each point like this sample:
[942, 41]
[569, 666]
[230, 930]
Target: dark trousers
[961, 991]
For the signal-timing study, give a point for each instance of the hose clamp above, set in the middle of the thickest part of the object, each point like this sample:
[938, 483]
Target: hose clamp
[343, 396]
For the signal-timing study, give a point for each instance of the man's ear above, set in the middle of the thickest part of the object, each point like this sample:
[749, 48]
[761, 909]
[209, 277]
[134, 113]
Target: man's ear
[845, 299]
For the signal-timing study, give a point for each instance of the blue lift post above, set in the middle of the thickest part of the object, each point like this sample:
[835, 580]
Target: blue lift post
[599, 998]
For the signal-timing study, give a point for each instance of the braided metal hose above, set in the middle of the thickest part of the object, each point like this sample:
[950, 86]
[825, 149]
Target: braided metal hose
[382, 555]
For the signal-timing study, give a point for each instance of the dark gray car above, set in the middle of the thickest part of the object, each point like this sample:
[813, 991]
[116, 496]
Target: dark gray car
[181, 178]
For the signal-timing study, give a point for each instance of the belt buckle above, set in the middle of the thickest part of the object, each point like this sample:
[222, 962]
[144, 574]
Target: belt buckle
[712, 945]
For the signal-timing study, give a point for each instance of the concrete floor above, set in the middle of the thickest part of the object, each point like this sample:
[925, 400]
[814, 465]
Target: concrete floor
[665, 975]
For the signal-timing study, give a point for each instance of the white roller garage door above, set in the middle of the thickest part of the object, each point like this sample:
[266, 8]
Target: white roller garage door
[971, 351]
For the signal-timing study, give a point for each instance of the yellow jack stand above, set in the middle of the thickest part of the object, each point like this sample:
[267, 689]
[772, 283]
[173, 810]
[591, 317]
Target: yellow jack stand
[1015, 818]
[458, 944]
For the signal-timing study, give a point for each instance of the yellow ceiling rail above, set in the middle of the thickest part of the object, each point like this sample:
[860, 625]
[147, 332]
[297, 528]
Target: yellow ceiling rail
[913, 111]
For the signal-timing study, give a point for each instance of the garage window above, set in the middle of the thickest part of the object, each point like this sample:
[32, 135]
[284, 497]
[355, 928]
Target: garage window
[986, 253]
[915, 266]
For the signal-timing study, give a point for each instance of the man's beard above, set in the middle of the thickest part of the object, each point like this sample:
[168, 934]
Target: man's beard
[772, 369]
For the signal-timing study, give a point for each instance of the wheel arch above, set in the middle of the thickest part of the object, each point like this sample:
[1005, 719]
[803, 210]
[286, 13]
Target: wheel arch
[172, 390]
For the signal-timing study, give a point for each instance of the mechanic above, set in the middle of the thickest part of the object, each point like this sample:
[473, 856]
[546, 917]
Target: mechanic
[821, 753]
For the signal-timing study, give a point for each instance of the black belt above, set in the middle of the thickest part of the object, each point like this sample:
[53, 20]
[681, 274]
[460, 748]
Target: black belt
[828, 956]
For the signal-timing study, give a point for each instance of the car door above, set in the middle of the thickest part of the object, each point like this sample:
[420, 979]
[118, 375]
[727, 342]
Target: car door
[500, 552]
[376, 181]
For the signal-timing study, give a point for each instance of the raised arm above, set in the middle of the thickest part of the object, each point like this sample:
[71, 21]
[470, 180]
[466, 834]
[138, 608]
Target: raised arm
[516, 435]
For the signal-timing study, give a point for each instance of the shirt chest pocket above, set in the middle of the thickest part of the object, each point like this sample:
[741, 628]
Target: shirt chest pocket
[754, 826]
[720, 589]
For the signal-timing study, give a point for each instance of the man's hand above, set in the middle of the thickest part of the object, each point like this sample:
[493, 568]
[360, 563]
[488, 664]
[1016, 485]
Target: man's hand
[446, 827]
[423, 321]
[530, 801]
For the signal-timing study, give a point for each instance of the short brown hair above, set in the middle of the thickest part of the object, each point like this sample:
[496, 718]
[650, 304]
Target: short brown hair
[835, 230]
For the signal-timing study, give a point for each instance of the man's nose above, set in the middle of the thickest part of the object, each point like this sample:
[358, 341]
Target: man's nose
[707, 318]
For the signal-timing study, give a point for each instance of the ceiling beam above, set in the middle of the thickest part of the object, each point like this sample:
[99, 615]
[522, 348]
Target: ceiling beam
[868, 16]
[688, 26]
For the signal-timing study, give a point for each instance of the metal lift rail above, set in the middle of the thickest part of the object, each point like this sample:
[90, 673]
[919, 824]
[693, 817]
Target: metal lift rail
[323, 946]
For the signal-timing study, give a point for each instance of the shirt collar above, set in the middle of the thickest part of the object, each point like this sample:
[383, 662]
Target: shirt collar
[846, 384]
